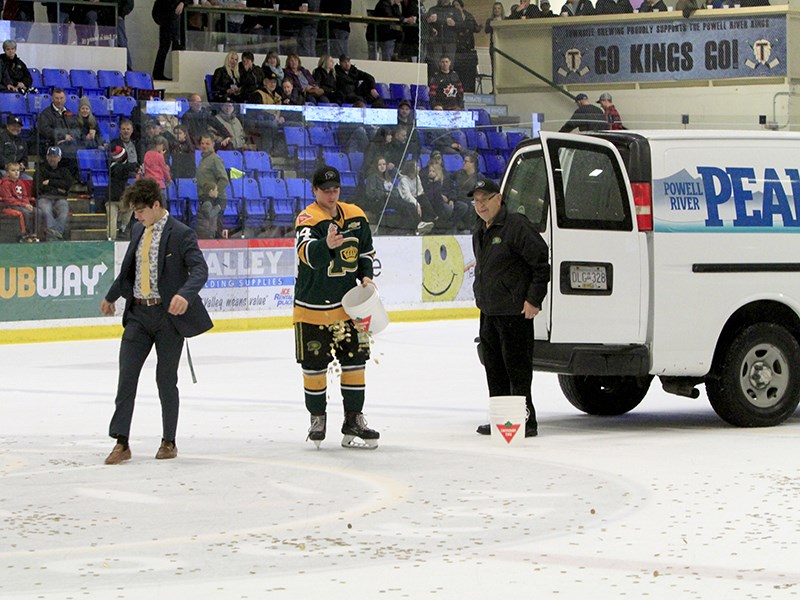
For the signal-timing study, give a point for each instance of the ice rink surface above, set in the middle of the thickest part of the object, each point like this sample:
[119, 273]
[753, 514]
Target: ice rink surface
[664, 502]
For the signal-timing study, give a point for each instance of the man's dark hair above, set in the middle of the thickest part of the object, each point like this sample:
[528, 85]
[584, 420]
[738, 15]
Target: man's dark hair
[248, 54]
[142, 193]
[57, 91]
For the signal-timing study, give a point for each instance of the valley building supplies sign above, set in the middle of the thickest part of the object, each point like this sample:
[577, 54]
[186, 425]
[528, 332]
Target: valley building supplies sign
[680, 49]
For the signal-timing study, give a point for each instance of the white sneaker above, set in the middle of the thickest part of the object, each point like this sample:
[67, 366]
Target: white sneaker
[424, 227]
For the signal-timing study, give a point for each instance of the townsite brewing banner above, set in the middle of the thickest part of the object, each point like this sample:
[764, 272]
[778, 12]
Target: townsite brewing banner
[670, 50]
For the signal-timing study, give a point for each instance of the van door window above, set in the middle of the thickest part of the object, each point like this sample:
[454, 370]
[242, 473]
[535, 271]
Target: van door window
[526, 189]
[590, 189]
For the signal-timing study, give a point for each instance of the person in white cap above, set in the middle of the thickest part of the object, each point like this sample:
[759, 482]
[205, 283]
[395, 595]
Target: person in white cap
[334, 253]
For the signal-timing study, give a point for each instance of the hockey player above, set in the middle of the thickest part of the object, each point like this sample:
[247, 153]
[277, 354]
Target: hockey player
[334, 250]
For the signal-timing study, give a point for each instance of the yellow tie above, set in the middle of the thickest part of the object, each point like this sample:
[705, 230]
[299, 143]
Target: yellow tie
[144, 265]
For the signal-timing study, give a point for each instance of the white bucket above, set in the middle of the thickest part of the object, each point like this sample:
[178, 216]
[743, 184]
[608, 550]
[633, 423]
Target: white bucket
[364, 306]
[507, 416]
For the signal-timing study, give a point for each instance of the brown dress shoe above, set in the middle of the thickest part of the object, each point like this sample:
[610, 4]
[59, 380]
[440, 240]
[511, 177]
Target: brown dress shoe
[118, 455]
[167, 450]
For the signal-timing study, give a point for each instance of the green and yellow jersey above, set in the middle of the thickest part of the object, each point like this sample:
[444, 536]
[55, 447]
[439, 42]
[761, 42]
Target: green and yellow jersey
[325, 275]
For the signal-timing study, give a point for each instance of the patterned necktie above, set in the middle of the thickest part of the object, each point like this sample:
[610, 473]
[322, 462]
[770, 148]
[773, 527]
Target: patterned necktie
[144, 263]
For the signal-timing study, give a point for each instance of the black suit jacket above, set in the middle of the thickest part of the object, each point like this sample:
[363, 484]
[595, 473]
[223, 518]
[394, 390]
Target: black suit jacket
[182, 270]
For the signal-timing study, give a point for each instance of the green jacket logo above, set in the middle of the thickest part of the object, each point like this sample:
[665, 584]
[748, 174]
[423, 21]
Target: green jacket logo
[50, 281]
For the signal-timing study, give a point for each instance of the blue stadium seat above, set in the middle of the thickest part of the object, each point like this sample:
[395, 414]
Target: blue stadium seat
[186, 189]
[37, 80]
[110, 79]
[482, 118]
[208, 79]
[497, 140]
[300, 188]
[108, 129]
[296, 137]
[385, 93]
[92, 162]
[73, 102]
[282, 208]
[99, 105]
[321, 136]
[400, 91]
[139, 80]
[452, 162]
[514, 138]
[86, 81]
[495, 165]
[459, 137]
[183, 106]
[424, 159]
[232, 159]
[58, 78]
[256, 207]
[122, 106]
[337, 160]
[13, 104]
[420, 95]
[349, 185]
[356, 161]
[257, 163]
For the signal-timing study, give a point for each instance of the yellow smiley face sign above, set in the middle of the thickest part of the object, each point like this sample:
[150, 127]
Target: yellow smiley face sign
[442, 268]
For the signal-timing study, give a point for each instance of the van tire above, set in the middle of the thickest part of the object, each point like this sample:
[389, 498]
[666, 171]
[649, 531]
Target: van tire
[757, 380]
[604, 396]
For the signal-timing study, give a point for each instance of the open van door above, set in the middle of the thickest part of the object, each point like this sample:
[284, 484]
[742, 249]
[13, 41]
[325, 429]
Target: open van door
[576, 190]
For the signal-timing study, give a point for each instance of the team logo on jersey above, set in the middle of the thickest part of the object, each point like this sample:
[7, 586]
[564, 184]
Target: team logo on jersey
[304, 216]
[450, 91]
[314, 346]
[349, 254]
[18, 190]
[356, 225]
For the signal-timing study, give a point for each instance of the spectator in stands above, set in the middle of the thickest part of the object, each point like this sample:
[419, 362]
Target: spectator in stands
[22, 12]
[272, 62]
[381, 39]
[355, 136]
[405, 114]
[182, 154]
[302, 80]
[446, 214]
[291, 96]
[18, 78]
[212, 181]
[544, 6]
[445, 87]
[443, 21]
[466, 57]
[229, 130]
[57, 126]
[155, 166]
[379, 186]
[152, 130]
[613, 7]
[409, 206]
[118, 213]
[378, 146]
[307, 36]
[577, 8]
[53, 182]
[88, 137]
[525, 10]
[86, 16]
[498, 14]
[586, 117]
[325, 76]
[197, 119]
[400, 147]
[338, 42]
[13, 149]
[409, 46]
[263, 124]
[353, 84]
[463, 182]
[250, 76]
[653, 6]
[233, 21]
[15, 201]
[610, 111]
[124, 8]
[125, 141]
[168, 124]
[259, 24]
[225, 84]
[166, 14]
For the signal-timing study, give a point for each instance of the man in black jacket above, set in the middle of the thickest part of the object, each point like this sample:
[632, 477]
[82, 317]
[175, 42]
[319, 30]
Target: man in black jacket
[13, 149]
[353, 84]
[53, 181]
[511, 276]
[160, 278]
[58, 126]
[587, 117]
[167, 15]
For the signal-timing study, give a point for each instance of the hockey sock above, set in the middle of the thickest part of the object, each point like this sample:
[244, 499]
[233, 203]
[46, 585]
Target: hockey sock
[353, 387]
[315, 386]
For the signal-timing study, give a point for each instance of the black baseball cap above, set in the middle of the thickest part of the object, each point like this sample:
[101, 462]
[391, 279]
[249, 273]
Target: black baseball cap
[12, 120]
[326, 177]
[485, 185]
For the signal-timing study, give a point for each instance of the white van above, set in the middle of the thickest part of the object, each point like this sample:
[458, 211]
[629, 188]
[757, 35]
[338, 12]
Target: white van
[674, 254]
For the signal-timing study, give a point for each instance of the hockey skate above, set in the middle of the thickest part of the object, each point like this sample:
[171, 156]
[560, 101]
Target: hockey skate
[316, 433]
[357, 434]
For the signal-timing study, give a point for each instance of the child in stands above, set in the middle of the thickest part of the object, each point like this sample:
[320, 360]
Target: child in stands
[155, 166]
[15, 201]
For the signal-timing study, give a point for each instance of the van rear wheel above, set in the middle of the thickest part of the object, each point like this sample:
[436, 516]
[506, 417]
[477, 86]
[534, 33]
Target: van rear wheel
[604, 396]
[756, 382]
